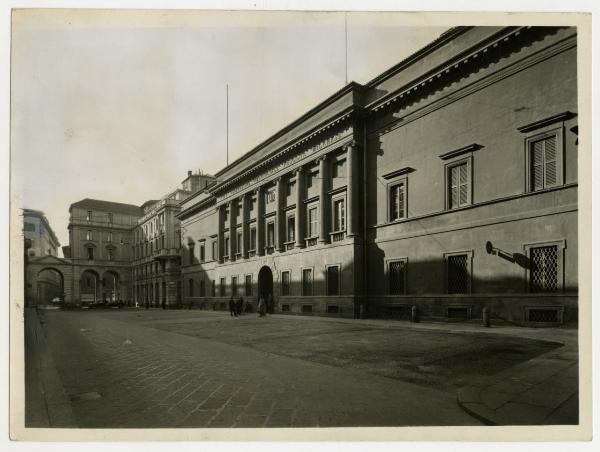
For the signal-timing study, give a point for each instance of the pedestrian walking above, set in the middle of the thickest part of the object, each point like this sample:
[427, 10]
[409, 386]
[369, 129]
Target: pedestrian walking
[232, 311]
[262, 308]
[239, 305]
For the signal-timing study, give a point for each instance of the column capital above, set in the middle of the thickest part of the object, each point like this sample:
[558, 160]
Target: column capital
[351, 144]
[321, 158]
[298, 170]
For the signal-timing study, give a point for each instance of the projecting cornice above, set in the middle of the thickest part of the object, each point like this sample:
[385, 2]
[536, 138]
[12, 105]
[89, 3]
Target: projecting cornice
[546, 121]
[461, 151]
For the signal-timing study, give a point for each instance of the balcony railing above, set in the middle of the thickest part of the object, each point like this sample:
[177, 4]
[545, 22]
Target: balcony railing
[311, 241]
[338, 236]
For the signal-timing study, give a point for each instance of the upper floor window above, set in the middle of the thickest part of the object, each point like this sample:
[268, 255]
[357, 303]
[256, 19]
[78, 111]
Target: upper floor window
[214, 250]
[202, 257]
[290, 188]
[458, 180]
[271, 233]
[226, 251]
[110, 236]
[339, 215]
[89, 235]
[90, 253]
[397, 201]
[89, 215]
[252, 238]
[110, 217]
[226, 216]
[544, 170]
[238, 242]
[291, 229]
[191, 254]
[338, 169]
[311, 178]
[312, 222]
[270, 196]
[111, 254]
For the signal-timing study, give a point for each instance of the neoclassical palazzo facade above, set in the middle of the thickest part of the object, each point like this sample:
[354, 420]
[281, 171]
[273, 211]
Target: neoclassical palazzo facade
[447, 184]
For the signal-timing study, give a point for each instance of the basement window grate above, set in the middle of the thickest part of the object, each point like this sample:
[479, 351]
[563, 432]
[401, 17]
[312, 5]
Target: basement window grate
[333, 309]
[307, 308]
[458, 312]
[285, 308]
[547, 315]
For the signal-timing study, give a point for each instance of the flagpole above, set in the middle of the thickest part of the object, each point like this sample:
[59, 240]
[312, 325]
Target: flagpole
[227, 123]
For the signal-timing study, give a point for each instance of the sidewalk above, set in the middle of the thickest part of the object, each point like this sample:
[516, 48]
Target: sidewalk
[47, 403]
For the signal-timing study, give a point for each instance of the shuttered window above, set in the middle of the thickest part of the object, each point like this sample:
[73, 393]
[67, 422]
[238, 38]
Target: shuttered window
[458, 186]
[398, 201]
[543, 164]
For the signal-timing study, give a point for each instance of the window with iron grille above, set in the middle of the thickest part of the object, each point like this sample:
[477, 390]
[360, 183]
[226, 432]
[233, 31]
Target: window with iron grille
[543, 163]
[457, 269]
[312, 222]
[339, 215]
[285, 283]
[397, 200]
[544, 269]
[333, 280]
[307, 282]
[234, 284]
[397, 277]
[222, 287]
[459, 191]
[248, 285]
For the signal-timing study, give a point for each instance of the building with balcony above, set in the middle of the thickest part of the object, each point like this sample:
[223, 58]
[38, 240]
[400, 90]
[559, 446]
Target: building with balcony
[156, 246]
[448, 182]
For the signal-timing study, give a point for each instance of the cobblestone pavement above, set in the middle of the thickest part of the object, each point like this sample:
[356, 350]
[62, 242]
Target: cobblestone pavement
[125, 374]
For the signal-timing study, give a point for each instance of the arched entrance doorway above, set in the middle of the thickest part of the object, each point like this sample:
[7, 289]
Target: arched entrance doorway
[265, 282]
[50, 286]
[111, 287]
[89, 292]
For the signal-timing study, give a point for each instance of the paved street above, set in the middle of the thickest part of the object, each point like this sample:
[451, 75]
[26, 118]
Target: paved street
[205, 369]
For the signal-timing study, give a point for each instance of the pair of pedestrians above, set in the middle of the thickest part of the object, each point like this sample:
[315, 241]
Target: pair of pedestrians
[235, 308]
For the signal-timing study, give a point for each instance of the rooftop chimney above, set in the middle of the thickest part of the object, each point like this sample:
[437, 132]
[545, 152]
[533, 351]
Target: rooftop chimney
[189, 173]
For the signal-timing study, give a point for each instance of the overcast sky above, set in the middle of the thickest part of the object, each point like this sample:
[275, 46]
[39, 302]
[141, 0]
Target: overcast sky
[119, 105]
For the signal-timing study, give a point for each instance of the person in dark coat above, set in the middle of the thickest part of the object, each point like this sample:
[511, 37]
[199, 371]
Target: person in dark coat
[232, 311]
[262, 306]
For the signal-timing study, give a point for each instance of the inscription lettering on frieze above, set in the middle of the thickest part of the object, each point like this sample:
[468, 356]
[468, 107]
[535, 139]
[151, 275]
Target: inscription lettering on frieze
[287, 163]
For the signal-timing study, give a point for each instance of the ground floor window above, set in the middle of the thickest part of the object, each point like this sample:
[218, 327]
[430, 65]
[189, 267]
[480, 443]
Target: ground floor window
[397, 276]
[202, 289]
[191, 287]
[234, 289]
[248, 285]
[222, 287]
[214, 288]
[458, 272]
[333, 280]
[544, 269]
[307, 282]
[285, 283]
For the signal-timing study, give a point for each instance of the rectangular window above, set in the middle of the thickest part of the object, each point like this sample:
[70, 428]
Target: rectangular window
[190, 253]
[457, 268]
[543, 163]
[544, 269]
[191, 287]
[110, 237]
[270, 196]
[397, 277]
[253, 238]
[162, 241]
[234, 288]
[458, 185]
[397, 200]
[226, 216]
[222, 287]
[30, 226]
[271, 233]
[312, 222]
[307, 282]
[88, 235]
[338, 169]
[285, 283]
[90, 253]
[333, 280]
[202, 289]
[214, 250]
[214, 288]
[238, 242]
[111, 254]
[202, 257]
[290, 189]
[110, 217]
[291, 228]
[226, 251]
[248, 285]
[339, 215]
[89, 216]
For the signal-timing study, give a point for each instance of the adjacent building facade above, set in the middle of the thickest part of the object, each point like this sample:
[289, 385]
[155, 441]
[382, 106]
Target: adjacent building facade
[448, 183]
